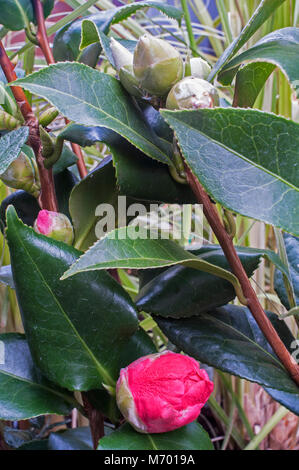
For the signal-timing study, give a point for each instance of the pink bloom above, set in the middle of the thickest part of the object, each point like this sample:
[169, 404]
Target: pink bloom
[54, 225]
[162, 392]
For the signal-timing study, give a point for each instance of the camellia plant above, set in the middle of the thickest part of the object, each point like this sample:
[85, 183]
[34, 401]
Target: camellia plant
[132, 329]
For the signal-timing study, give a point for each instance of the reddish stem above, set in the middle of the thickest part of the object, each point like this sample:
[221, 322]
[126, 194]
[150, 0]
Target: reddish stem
[47, 197]
[46, 49]
[229, 250]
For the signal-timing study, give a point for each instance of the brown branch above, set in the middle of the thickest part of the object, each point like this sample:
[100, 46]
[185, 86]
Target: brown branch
[43, 42]
[47, 197]
[96, 420]
[229, 250]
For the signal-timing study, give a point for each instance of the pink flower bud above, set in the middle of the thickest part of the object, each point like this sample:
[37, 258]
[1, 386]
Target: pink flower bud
[54, 225]
[162, 392]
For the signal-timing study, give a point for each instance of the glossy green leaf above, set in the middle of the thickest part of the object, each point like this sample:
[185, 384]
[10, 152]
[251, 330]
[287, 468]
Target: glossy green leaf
[71, 439]
[180, 292]
[292, 251]
[229, 339]
[10, 146]
[264, 10]
[24, 393]
[16, 14]
[25, 205]
[190, 437]
[246, 159]
[76, 328]
[279, 48]
[92, 98]
[135, 248]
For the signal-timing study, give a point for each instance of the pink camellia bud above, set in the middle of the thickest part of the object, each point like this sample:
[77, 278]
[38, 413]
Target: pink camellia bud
[54, 225]
[162, 392]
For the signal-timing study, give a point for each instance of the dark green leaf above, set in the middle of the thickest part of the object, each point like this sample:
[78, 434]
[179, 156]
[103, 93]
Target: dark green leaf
[24, 393]
[16, 14]
[292, 251]
[64, 183]
[190, 437]
[279, 48]
[71, 439]
[10, 146]
[92, 98]
[246, 159]
[138, 177]
[265, 9]
[180, 292]
[76, 328]
[229, 339]
[25, 205]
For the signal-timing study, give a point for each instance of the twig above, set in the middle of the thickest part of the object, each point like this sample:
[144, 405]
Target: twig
[47, 197]
[229, 250]
[96, 420]
[43, 42]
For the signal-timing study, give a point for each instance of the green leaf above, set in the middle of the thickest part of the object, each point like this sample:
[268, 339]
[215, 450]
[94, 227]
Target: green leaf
[10, 146]
[229, 339]
[250, 80]
[180, 292]
[265, 9]
[25, 205]
[279, 48]
[24, 393]
[71, 439]
[245, 159]
[92, 98]
[76, 328]
[17, 14]
[190, 437]
[292, 251]
[121, 249]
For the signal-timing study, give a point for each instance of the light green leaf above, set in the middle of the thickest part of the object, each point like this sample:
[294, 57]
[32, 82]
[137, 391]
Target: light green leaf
[11, 145]
[265, 9]
[279, 48]
[247, 160]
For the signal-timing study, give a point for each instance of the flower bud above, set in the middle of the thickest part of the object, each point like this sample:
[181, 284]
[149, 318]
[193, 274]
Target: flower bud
[192, 93]
[199, 68]
[121, 56]
[162, 392]
[22, 173]
[48, 116]
[157, 65]
[54, 225]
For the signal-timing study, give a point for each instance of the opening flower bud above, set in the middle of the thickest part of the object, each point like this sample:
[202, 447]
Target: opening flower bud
[121, 56]
[162, 392]
[22, 173]
[192, 93]
[199, 68]
[157, 65]
[54, 225]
